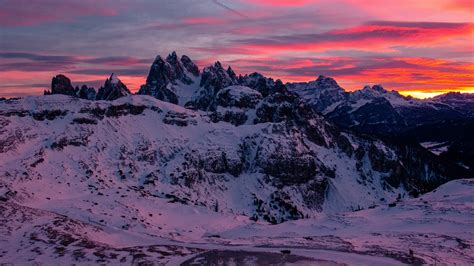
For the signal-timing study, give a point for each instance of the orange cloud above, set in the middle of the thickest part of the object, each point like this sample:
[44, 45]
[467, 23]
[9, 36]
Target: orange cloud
[376, 35]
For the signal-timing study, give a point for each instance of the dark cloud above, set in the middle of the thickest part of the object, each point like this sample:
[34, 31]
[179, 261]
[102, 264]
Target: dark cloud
[134, 72]
[38, 62]
[29, 13]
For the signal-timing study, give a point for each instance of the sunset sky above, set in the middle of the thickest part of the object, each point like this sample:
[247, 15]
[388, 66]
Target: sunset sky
[421, 48]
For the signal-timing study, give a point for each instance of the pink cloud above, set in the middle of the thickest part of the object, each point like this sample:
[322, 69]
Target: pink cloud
[376, 35]
[29, 13]
[280, 3]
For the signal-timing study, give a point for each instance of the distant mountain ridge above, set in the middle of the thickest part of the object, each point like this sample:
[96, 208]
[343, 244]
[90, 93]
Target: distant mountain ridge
[206, 159]
[371, 110]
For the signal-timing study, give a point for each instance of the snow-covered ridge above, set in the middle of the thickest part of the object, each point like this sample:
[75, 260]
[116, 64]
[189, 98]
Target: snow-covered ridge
[142, 140]
[106, 181]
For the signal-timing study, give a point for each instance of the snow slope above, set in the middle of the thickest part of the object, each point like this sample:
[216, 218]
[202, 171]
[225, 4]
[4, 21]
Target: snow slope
[433, 229]
[121, 181]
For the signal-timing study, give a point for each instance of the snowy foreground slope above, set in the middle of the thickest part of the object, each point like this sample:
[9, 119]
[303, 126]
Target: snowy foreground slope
[138, 179]
[436, 228]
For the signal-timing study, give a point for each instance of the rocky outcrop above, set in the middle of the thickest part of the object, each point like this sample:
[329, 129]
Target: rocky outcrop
[87, 93]
[165, 74]
[257, 82]
[112, 89]
[214, 78]
[238, 96]
[62, 85]
[189, 65]
[321, 93]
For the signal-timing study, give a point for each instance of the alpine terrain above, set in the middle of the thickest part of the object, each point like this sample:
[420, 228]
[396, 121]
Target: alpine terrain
[209, 167]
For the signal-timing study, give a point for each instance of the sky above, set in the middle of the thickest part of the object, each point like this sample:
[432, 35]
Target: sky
[421, 48]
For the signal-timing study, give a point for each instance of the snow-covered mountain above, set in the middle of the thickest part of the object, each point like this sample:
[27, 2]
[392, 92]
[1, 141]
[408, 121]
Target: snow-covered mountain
[464, 102]
[193, 155]
[255, 148]
[376, 109]
[445, 121]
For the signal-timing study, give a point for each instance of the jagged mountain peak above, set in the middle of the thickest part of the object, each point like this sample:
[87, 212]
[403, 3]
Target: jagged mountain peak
[113, 89]
[323, 82]
[377, 88]
[166, 75]
[190, 65]
[231, 73]
[172, 57]
[455, 95]
[60, 84]
[114, 78]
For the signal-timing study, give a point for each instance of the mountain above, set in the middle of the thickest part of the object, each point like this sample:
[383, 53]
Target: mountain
[373, 108]
[112, 89]
[464, 102]
[171, 80]
[444, 121]
[87, 93]
[199, 160]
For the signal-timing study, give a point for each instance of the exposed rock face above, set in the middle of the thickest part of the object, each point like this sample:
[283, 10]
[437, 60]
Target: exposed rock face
[238, 96]
[373, 109]
[87, 93]
[165, 74]
[321, 93]
[214, 78]
[189, 65]
[233, 103]
[251, 136]
[258, 82]
[279, 105]
[62, 85]
[112, 89]
[464, 102]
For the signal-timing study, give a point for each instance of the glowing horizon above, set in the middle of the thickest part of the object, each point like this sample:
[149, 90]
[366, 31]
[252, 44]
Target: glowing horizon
[354, 42]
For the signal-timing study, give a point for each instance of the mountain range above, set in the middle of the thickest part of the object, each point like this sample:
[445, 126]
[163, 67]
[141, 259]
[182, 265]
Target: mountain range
[211, 142]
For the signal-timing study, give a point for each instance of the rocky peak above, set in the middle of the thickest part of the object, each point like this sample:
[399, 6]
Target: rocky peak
[178, 70]
[231, 73]
[112, 89]
[160, 73]
[172, 58]
[189, 65]
[164, 74]
[378, 88]
[321, 93]
[213, 79]
[87, 93]
[324, 83]
[257, 82]
[114, 79]
[454, 96]
[62, 85]
[216, 78]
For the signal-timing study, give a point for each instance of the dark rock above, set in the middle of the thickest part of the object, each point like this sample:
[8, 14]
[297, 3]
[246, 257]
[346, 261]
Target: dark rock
[179, 119]
[62, 85]
[189, 65]
[214, 78]
[164, 74]
[87, 93]
[178, 69]
[112, 89]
